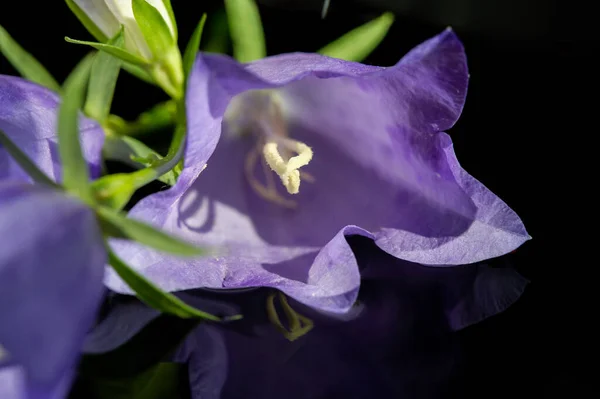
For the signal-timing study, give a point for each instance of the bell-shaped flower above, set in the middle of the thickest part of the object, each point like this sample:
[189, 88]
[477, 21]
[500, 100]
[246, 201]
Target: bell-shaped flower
[52, 255]
[149, 30]
[302, 151]
[109, 15]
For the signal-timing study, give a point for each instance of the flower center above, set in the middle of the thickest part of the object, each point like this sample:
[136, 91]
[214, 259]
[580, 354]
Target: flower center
[259, 113]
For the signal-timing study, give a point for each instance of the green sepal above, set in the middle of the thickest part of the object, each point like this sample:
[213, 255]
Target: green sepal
[166, 69]
[86, 21]
[169, 7]
[154, 28]
[114, 51]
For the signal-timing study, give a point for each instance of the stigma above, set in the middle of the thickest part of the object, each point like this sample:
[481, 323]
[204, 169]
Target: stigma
[259, 114]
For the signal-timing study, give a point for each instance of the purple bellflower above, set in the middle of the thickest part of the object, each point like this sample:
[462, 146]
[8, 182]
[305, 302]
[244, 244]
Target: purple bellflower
[307, 150]
[52, 255]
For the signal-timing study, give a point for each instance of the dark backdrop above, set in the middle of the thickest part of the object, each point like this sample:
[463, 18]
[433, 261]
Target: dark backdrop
[522, 134]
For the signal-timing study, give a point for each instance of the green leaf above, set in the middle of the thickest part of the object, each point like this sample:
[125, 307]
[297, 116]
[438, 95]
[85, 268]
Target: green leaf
[24, 162]
[112, 50]
[153, 27]
[74, 166]
[151, 345]
[119, 226]
[246, 30]
[357, 44]
[192, 47]
[216, 37]
[25, 63]
[155, 297]
[86, 21]
[103, 79]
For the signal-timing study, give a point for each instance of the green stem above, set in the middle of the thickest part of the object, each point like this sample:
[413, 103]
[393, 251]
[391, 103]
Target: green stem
[137, 154]
[159, 117]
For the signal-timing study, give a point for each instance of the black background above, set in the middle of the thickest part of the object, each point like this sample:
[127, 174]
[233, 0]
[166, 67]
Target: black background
[526, 133]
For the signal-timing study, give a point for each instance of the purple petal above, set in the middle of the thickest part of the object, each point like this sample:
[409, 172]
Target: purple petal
[28, 116]
[127, 316]
[495, 230]
[125, 319]
[205, 352]
[468, 293]
[380, 163]
[492, 291]
[326, 279]
[51, 267]
[14, 385]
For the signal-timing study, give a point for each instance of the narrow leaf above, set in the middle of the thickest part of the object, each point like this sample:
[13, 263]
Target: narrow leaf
[103, 79]
[24, 162]
[216, 38]
[155, 297]
[25, 63]
[74, 166]
[112, 50]
[86, 21]
[357, 44]
[246, 30]
[119, 226]
[192, 47]
[153, 27]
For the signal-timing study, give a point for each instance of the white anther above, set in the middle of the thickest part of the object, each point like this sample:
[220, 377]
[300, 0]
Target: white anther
[288, 171]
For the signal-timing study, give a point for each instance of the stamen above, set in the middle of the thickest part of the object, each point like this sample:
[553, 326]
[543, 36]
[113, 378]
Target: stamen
[298, 324]
[288, 171]
[268, 193]
[260, 114]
